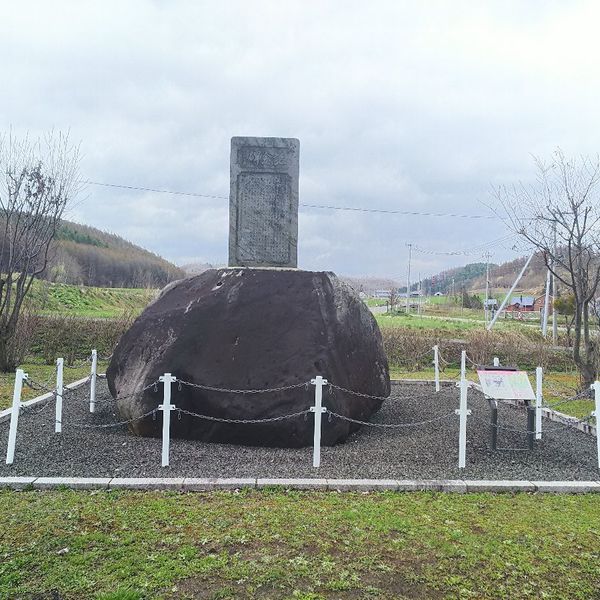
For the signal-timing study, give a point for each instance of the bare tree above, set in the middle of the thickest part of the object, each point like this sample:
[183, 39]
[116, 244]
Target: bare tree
[559, 216]
[38, 178]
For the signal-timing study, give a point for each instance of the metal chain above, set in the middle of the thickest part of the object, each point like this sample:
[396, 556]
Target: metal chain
[243, 421]
[557, 391]
[31, 411]
[469, 359]
[107, 425]
[579, 396]
[502, 427]
[391, 425]
[38, 386]
[573, 425]
[227, 391]
[544, 430]
[154, 385]
[332, 386]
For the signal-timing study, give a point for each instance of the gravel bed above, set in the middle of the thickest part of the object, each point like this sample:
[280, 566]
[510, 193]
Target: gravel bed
[426, 452]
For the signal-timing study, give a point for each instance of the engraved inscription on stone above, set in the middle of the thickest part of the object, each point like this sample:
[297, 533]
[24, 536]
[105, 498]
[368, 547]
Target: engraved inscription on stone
[263, 221]
[264, 217]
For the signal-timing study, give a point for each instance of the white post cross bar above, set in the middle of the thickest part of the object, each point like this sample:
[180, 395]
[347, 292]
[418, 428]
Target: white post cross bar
[318, 409]
[93, 375]
[167, 379]
[596, 413]
[20, 376]
[436, 367]
[539, 374]
[59, 395]
[463, 412]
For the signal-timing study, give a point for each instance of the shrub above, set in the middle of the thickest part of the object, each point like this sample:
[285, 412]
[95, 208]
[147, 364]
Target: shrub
[408, 348]
[74, 337]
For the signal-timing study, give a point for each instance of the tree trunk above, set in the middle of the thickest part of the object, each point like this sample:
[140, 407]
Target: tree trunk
[6, 360]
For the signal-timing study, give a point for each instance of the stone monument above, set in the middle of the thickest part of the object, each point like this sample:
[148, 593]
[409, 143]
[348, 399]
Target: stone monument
[254, 327]
[263, 202]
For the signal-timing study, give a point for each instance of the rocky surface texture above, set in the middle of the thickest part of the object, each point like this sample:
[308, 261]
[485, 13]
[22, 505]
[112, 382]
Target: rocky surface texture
[252, 329]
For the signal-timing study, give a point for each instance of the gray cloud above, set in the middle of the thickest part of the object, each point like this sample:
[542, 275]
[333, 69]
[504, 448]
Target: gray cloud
[398, 105]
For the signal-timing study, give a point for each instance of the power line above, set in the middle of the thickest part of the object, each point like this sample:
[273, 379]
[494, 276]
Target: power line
[319, 206]
[145, 189]
[467, 251]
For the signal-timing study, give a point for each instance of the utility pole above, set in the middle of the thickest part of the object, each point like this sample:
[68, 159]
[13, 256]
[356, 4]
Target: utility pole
[408, 279]
[487, 287]
[554, 294]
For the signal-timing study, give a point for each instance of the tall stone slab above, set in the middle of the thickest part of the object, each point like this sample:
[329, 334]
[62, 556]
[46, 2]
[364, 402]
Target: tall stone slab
[263, 202]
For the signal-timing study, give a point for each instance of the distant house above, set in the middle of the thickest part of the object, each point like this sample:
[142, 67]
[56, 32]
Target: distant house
[439, 294]
[381, 294]
[521, 304]
[539, 303]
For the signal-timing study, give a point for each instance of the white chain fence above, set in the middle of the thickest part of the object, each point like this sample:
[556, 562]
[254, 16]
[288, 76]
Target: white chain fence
[60, 392]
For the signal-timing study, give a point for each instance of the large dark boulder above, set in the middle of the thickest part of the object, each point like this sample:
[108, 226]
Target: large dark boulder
[240, 328]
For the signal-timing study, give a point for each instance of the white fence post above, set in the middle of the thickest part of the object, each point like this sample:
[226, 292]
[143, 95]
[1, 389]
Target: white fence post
[463, 412]
[596, 413]
[20, 376]
[318, 409]
[539, 374]
[166, 407]
[436, 367]
[59, 395]
[93, 375]
[496, 361]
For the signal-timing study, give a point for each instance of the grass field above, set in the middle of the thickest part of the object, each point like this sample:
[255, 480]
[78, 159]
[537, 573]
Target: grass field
[447, 324]
[82, 301]
[297, 545]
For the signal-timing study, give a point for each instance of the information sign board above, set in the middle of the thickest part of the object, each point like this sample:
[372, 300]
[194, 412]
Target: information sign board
[506, 385]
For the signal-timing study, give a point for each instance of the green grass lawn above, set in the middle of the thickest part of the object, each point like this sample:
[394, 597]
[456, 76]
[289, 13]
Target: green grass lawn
[41, 373]
[297, 545]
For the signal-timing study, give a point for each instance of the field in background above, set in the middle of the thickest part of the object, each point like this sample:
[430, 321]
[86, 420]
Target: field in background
[81, 301]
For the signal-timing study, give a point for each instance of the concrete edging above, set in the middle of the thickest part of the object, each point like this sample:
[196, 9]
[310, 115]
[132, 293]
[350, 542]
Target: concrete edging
[195, 484]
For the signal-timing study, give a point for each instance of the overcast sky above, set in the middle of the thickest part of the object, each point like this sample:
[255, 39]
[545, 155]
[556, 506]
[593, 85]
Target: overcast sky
[418, 106]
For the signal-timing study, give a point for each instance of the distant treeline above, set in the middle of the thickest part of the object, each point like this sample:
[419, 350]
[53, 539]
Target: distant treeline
[85, 255]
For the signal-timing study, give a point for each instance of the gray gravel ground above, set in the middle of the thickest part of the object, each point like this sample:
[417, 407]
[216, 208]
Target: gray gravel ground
[427, 451]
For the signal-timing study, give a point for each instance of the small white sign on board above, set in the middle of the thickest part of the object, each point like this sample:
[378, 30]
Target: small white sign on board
[506, 385]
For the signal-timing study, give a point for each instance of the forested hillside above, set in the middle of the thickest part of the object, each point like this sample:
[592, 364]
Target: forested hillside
[88, 256]
[471, 277]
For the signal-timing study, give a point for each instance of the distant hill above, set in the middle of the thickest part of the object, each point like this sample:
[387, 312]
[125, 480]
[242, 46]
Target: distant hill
[197, 268]
[369, 285]
[85, 255]
[452, 280]
[471, 277]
